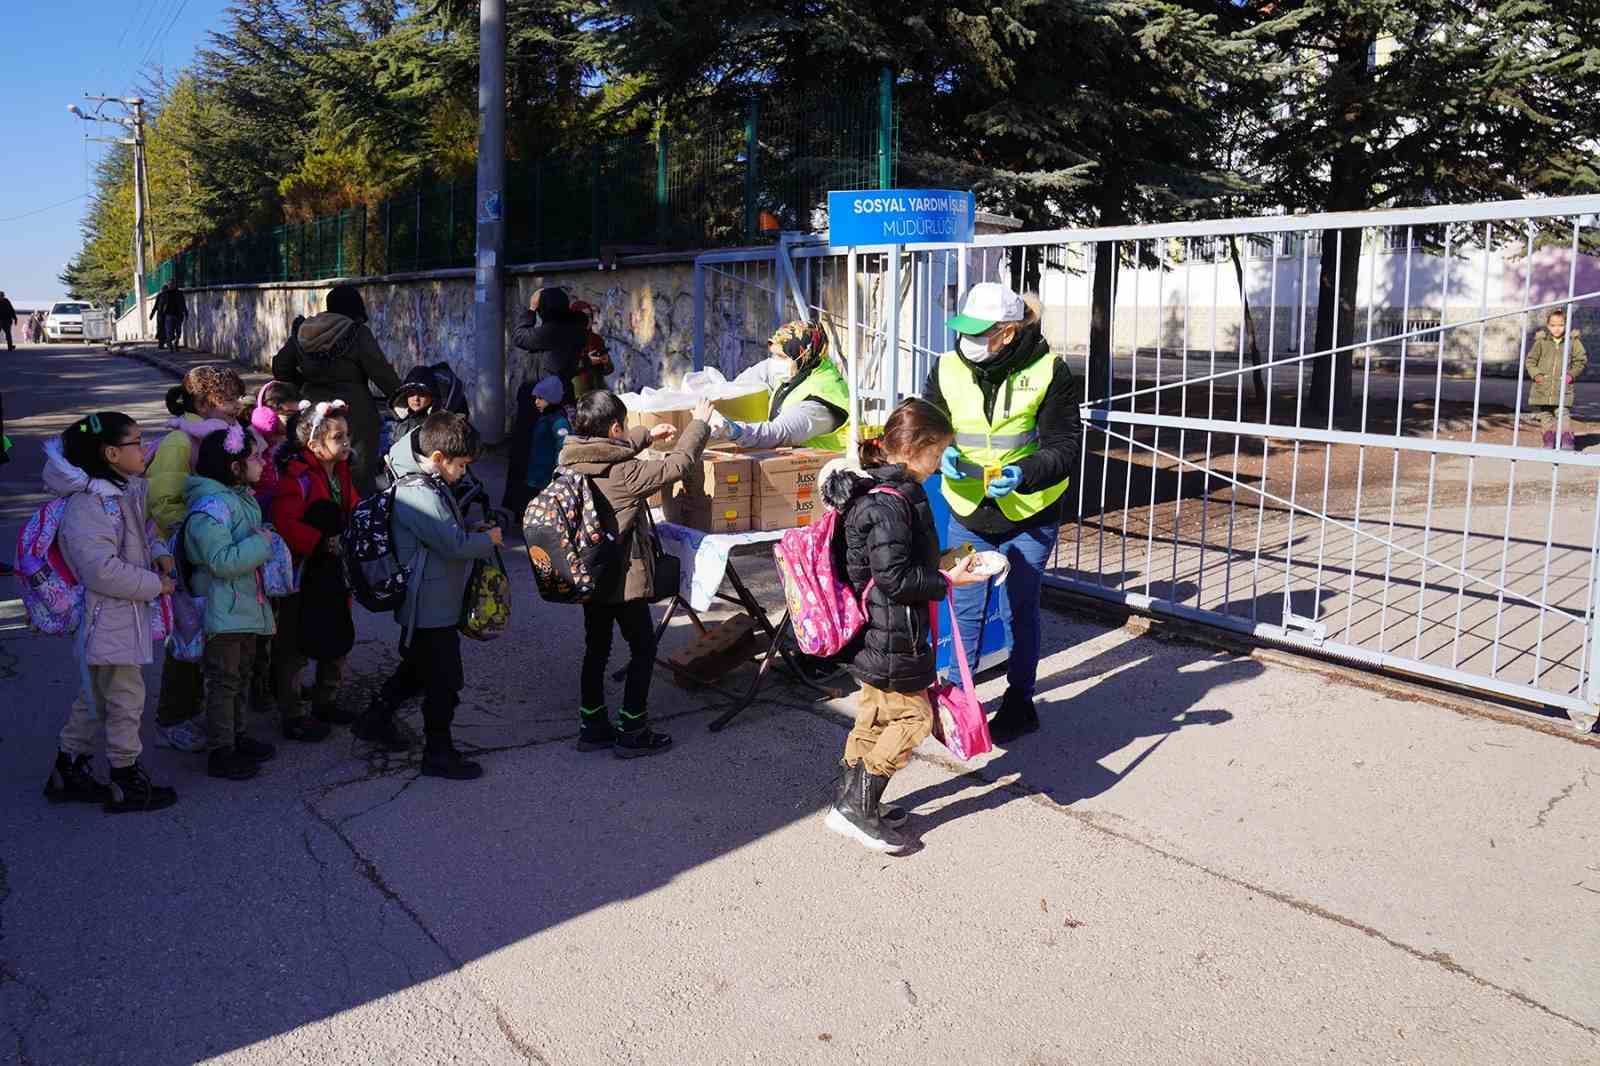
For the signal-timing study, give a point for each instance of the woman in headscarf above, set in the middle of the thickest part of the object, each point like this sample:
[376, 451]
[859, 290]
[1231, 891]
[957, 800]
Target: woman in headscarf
[334, 356]
[810, 398]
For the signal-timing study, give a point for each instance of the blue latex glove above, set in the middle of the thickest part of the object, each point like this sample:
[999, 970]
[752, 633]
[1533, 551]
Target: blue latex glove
[947, 464]
[1004, 485]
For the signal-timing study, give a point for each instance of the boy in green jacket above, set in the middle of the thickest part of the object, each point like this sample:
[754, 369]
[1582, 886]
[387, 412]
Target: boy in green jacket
[1550, 398]
[433, 540]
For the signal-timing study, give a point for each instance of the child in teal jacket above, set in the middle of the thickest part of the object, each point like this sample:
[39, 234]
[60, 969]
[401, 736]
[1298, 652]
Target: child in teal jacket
[225, 547]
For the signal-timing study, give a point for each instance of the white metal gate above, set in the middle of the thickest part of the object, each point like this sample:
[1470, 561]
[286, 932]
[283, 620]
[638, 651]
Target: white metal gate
[1427, 531]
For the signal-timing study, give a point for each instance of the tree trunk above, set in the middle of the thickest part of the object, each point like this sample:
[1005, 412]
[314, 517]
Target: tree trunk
[1252, 346]
[1098, 386]
[1349, 189]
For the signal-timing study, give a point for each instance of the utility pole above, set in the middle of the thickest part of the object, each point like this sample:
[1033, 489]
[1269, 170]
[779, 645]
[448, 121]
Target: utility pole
[135, 122]
[489, 294]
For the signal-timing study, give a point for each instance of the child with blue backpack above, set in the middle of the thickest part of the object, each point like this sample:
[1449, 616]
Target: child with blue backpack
[106, 539]
[223, 542]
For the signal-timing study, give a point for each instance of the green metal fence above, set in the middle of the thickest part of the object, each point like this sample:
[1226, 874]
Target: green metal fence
[712, 176]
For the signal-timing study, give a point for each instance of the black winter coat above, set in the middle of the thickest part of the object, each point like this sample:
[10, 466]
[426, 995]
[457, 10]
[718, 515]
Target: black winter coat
[555, 346]
[892, 542]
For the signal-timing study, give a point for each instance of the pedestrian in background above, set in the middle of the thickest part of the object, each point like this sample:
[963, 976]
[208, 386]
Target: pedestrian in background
[542, 429]
[334, 356]
[8, 318]
[1553, 368]
[554, 340]
[169, 313]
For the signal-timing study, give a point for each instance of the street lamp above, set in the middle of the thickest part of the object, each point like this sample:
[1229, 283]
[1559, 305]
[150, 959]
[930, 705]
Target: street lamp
[140, 179]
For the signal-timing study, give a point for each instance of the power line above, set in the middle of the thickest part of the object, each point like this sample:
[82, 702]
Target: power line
[163, 31]
[47, 207]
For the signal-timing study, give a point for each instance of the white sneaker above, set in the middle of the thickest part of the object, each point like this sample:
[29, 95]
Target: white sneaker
[185, 736]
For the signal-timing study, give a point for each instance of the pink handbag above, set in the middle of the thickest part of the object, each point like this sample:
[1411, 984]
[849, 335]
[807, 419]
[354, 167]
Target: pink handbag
[958, 719]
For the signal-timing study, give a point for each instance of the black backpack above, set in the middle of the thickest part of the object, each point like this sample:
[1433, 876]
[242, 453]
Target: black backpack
[375, 574]
[574, 555]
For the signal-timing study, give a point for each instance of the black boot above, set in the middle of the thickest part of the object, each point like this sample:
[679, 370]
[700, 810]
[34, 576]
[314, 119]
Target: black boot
[230, 764]
[251, 748]
[305, 728]
[378, 726]
[72, 780]
[132, 790]
[890, 815]
[333, 714]
[441, 759]
[595, 731]
[635, 738]
[1016, 717]
[857, 817]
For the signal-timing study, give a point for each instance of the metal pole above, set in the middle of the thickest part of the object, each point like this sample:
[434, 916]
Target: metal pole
[144, 176]
[138, 228]
[752, 162]
[853, 354]
[886, 132]
[662, 191]
[489, 294]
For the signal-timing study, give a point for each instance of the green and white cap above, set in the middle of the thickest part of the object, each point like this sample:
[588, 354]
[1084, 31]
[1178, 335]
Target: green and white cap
[987, 303]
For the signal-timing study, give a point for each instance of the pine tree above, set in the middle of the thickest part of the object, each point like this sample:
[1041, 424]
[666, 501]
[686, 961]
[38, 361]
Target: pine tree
[1431, 101]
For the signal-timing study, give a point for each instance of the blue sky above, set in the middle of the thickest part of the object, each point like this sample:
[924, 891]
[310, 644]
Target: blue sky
[97, 46]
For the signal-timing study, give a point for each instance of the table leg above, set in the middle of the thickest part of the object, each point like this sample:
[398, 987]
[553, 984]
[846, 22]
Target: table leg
[733, 712]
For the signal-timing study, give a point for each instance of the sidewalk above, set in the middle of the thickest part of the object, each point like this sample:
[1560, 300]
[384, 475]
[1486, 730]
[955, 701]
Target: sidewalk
[1200, 859]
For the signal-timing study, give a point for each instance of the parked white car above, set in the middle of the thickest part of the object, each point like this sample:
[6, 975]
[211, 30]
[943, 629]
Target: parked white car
[65, 322]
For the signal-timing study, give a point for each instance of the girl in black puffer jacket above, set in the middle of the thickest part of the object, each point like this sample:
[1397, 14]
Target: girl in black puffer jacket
[890, 542]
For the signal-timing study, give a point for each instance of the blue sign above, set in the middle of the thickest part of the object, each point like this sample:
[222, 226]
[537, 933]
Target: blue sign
[900, 216]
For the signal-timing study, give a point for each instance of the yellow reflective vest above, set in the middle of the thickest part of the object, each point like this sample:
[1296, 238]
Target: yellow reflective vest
[824, 383]
[1013, 433]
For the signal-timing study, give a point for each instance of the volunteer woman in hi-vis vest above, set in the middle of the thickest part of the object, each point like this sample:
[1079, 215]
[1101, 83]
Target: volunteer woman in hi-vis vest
[1014, 407]
[810, 398]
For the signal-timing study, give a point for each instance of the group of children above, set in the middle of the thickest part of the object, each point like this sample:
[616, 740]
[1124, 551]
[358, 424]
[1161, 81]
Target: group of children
[228, 494]
[204, 513]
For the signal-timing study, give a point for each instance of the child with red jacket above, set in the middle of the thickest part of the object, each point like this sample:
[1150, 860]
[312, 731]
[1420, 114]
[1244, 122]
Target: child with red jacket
[310, 510]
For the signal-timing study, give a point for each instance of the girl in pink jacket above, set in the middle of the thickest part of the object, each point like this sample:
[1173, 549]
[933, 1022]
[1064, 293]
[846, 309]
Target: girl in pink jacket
[109, 542]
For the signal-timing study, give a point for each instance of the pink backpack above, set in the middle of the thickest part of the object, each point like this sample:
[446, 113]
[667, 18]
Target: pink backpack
[50, 593]
[824, 610]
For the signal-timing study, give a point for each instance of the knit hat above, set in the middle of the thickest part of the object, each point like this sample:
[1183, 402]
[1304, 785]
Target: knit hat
[549, 389]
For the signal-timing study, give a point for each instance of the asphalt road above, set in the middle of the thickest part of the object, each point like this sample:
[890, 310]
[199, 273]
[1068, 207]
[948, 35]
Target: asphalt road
[1201, 859]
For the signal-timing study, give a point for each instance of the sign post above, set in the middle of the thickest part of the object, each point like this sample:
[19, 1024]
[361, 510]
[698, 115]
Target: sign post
[889, 217]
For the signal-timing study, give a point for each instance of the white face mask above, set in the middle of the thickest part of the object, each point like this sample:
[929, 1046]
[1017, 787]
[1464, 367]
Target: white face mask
[780, 369]
[975, 349]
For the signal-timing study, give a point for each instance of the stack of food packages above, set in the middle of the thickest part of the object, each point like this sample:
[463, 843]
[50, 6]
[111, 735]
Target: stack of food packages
[730, 490]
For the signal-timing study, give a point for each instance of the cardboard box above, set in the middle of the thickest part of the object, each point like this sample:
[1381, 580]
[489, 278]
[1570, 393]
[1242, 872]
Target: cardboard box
[720, 476]
[785, 512]
[646, 419]
[713, 516]
[785, 471]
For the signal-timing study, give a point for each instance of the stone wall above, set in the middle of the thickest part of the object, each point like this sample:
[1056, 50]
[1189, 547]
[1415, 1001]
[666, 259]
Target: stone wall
[646, 315]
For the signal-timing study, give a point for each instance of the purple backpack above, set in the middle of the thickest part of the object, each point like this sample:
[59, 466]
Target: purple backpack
[50, 592]
[824, 610]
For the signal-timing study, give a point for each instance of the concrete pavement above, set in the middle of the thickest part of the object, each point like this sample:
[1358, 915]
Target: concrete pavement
[1201, 858]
